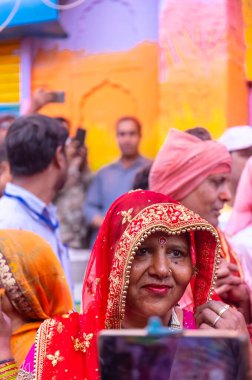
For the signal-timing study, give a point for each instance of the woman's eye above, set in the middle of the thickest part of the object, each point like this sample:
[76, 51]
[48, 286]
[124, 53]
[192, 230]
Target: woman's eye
[142, 252]
[176, 253]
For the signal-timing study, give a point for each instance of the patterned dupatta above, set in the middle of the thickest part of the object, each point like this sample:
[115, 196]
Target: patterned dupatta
[66, 347]
[34, 282]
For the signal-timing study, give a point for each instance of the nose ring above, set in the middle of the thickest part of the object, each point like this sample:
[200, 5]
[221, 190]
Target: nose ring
[170, 271]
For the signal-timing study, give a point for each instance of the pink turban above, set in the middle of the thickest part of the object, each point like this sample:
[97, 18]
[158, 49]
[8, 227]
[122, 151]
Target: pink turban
[184, 162]
[241, 216]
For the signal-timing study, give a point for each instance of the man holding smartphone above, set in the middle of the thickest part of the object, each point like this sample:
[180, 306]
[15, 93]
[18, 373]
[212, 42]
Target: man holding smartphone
[117, 178]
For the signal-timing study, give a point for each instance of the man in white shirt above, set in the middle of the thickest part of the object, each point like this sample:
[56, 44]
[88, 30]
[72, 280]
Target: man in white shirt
[36, 153]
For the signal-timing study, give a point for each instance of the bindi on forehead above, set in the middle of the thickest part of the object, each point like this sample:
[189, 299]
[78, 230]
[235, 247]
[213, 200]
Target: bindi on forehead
[162, 241]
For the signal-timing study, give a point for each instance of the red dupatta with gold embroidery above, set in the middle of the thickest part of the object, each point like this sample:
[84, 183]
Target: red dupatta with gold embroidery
[67, 347]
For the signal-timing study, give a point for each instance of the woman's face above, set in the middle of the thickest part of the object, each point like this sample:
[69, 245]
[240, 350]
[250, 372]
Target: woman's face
[160, 273]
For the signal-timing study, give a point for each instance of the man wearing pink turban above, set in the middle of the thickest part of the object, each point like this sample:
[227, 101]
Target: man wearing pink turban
[196, 172]
[184, 163]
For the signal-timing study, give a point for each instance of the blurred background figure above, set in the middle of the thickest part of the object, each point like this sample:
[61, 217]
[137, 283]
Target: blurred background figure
[239, 227]
[36, 153]
[64, 122]
[72, 223]
[117, 178]
[69, 201]
[196, 172]
[33, 287]
[200, 132]
[238, 141]
[141, 180]
[5, 176]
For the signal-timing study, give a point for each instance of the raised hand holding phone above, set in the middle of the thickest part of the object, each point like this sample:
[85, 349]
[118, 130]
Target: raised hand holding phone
[80, 136]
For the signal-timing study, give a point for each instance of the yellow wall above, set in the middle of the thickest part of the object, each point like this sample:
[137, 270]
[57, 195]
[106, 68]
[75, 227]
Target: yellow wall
[9, 72]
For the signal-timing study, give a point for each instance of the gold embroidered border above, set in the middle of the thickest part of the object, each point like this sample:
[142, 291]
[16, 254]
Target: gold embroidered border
[8, 281]
[43, 335]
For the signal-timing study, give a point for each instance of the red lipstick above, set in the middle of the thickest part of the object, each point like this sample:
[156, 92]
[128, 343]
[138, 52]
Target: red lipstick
[158, 289]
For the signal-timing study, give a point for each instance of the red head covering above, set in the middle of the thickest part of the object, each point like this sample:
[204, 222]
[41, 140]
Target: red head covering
[184, 161]
[72, 342]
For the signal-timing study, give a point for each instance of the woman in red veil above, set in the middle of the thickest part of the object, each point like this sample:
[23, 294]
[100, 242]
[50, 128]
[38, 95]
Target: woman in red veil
[66, 347]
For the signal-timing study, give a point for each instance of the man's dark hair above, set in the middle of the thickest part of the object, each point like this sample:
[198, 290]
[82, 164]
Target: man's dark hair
[31, 143]
[141, 180]
[130, 118]
[3, 153]
[63, 121]
[200, 132]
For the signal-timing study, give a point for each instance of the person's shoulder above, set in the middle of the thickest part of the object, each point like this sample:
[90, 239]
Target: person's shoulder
[10, 220]
[8, 213]
[106, 168]
[11, 214]
[145, 160]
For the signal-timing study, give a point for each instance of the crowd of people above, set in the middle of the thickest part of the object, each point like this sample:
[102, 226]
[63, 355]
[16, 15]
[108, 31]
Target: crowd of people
[169, 238]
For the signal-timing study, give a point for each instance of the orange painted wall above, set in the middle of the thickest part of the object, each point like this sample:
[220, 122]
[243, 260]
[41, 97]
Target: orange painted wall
[100, 89]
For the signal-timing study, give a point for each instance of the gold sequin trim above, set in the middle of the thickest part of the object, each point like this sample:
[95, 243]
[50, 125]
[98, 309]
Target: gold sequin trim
[82, 345]
[8, 281]
[55, 358]
[127, 217]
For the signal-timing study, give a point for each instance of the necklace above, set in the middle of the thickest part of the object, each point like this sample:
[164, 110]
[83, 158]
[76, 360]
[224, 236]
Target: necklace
[174, 321]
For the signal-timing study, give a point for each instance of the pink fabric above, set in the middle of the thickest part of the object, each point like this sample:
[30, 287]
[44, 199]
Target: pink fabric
[189, 321]
[186, 302]
[241, 216]
[28, 365]
[184, 161]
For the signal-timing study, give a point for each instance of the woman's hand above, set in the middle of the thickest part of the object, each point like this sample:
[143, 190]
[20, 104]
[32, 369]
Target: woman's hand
[232, 289]
[5, 332]
[218, 315]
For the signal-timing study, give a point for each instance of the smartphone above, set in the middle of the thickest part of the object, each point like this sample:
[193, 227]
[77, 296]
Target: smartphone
[58, 96]
[80, 136]
[185, 354]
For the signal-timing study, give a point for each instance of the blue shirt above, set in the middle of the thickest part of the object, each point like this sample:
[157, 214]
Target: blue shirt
[30, 213]
[109, 183]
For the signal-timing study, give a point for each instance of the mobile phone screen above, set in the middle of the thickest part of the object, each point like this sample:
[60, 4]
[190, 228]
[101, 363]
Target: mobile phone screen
[80, 136]
[58, 97]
